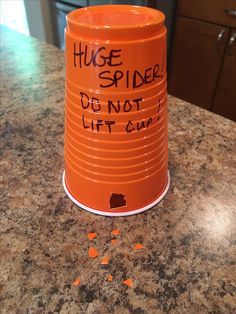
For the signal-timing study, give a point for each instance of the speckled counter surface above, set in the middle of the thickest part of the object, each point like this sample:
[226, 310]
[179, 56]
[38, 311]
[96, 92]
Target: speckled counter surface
[188, 264]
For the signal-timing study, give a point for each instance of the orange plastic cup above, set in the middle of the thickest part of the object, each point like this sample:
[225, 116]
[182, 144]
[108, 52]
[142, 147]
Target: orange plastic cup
[116, 146]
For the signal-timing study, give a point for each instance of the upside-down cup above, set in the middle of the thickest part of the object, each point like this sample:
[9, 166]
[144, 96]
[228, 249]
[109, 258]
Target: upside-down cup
[116, 146]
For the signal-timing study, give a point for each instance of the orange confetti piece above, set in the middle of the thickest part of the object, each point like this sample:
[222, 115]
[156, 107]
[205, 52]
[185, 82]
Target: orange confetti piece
[105, 260]
[138, 246]
[93, 252]
[92, 235]
[128, 282]
[114, 242]
[76, 282]
[109, 278]
[115, 232]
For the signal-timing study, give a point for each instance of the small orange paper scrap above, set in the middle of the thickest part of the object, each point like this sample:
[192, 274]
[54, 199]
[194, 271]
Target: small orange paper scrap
[128, 282]
[115, 232]
[76, 282]
[109, 278]
[105, 260]
[138, 246]
[93, 252]
[114, 242]
[92, 235]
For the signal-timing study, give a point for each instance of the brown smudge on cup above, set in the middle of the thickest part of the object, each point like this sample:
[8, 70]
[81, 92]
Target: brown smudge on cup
[117, 200]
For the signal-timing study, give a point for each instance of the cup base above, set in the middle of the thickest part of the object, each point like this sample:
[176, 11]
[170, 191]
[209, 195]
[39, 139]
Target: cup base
[102, 213]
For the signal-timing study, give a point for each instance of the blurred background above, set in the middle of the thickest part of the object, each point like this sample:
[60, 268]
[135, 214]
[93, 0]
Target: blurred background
[201, 42]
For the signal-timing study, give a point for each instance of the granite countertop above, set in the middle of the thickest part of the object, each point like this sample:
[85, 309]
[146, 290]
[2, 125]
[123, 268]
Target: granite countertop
[188, 264]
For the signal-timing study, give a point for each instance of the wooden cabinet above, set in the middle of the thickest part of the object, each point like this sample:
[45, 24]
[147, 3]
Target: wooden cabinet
[203, 61]
[196, 61]
[224, 102]
[215, 11]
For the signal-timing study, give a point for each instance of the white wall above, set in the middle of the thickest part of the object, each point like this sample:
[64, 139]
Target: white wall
[38, 17]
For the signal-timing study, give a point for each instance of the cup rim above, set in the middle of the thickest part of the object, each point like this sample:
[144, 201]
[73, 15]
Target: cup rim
[153, 21]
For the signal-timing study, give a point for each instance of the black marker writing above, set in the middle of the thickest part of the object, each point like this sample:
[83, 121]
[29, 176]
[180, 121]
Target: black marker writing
[113, 78]
[131, 126]
[97, 125]
[96, 57]
[127, 106]
[86, 102]
[84, 125]
[135, 79]
[109, 124]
